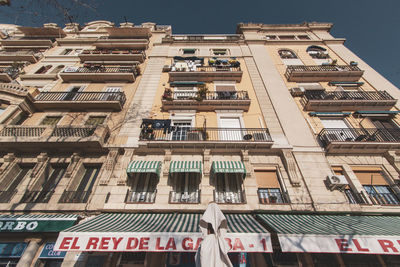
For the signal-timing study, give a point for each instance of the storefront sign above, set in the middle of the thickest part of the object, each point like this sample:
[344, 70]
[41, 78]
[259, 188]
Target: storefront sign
[38, 225]
[49, 253]
[340, 244]
[180, 242]
[12, 249]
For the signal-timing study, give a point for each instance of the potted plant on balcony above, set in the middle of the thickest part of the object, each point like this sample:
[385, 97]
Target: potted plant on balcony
[167, 94]
[272, 199]
[201, 93]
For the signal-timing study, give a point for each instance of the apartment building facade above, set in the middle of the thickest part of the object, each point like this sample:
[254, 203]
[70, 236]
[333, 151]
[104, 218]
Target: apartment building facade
[114, 139]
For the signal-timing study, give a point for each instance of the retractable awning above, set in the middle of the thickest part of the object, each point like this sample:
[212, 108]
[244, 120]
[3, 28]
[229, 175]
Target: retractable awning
[185, 83]
[228, 167]
[144, 166]
[329, 114]
[36, 222]
[159, 232]
[372, 113]
[336, 233]
[185, 166]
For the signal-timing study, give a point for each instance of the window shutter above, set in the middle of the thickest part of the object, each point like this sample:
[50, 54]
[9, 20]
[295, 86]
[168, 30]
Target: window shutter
[364, 176]
[267, 178]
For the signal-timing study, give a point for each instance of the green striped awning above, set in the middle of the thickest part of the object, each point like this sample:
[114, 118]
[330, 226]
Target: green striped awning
[162, 223]
[332, 224]
[228, 167]
[147, 166]
[185, 166]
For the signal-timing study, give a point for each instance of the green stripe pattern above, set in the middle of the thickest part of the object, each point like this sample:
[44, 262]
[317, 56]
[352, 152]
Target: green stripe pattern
[228, 167]
[332, 224]
[162, 223]
[147, 166]
[185, 166]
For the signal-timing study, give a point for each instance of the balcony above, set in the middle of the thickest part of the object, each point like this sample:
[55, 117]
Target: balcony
[99, 74]
[32, 138]
[80, 101]
[209, 101]
[347, 100]
[323, 73]
[360, 140]
[8, 74]
[74, 196]
[140, 196]
[210, 137]
[6, 196]
[112, 55]
[37, 196]
[229, 197]
[13, 56]
[206, 74]
[105, 42]
[211, 38]
[184, 198]
[26, 43]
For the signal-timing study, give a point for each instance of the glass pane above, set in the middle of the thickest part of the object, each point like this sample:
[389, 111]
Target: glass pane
[95, 120]
[51, 120]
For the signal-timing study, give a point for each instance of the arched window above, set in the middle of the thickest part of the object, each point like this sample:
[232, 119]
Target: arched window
[43, 69]
[317, 52]
[57, 69]
[285, 53]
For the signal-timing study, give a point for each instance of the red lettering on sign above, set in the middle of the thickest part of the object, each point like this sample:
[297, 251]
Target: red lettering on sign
[105, 241]
[144, 243]
[92, 242]
[65, 243]
[343, 244]
[386, 244]
[171, 244]
[158, 246]
[264, 244]
[358, 246]
[228, 240]
[116, 242]
[74, 246]
[238, 244]
[131, 240]
[187, 243]
[198, 243]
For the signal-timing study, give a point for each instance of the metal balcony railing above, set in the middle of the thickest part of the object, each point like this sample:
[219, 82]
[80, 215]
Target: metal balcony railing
[347, 95]
[100, 69]
[75, 196]
[81, 96]
[112, 52]
[359, 135]
[22, 131]
[355, 198]
[319, 68]
[208, 134]
[208, 69]
[140, 196]
[12, 72]
[6, 196]
[37, 196]
[219, 95]
[229, 197]
[266, 196]
[182, 197]
[384, 198]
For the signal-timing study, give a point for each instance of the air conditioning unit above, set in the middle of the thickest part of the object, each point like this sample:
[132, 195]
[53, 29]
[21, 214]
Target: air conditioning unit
[297, 91]
[336, 182]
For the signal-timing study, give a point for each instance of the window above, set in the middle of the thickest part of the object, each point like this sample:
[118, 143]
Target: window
[219, 51]
[19, 120]
[185, 187]
[285, 54]
[73, 92]
[51, 120]
[189, 51]
[228, 188]
[43, 69]
[270, 37]
[10, 183]
[95, 120]
[303, 37]
[352, 197]
[57, 69]
[230, 128]
[132, 258]
[319, 54]
[143, 188]
[286, 37]
[112, 93]
[181, 128]
[66, 52]
[374, 182]
[185, 92]
[269, 188]
[91, 28]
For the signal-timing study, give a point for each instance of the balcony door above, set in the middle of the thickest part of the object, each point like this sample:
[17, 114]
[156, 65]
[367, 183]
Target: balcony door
[338, 130]
[389, 130]
[181, 125]
[230, 129]
[71, 95]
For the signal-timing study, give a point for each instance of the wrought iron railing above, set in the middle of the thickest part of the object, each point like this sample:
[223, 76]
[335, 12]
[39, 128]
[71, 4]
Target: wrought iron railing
[219, 95]
[229, 197]
[6, 196]
[182, 197]
[207, 134]
[81, 96]
[37, 196]
[359, 135]
[12, 72]
[319, 68]
[209, 69]
[355, 198]
[112, 52]
[384, 198]
[266, 196]
[347, 95]
[22, 131]
[68, 131]
[100, 69]
[140, 196]
[75, 196]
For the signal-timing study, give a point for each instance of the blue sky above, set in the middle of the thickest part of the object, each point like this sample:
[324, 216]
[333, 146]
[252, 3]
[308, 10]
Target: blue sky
[370, 26]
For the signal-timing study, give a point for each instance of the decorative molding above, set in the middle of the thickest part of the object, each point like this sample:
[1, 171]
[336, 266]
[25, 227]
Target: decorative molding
[393, 159]
[42, 161]
[126, 158]
[71, 167]
[290, 165]
[109, 166]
